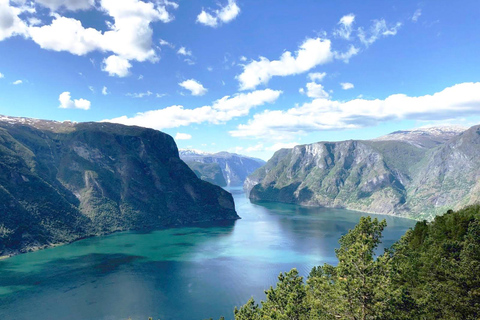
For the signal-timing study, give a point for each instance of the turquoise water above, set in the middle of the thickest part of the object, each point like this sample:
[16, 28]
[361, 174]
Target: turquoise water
[193, 272]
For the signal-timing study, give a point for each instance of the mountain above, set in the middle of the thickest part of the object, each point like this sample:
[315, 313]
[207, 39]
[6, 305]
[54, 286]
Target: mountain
[61, 181]
[424, 137]
[416, 173]
[210, 172]
[234, 167]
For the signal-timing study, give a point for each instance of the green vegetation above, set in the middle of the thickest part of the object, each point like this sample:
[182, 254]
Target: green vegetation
[60, 182]
[210, 172]
[432, 272]
[419, 179]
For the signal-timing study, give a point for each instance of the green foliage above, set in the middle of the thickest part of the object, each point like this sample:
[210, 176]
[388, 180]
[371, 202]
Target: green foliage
[432, 272]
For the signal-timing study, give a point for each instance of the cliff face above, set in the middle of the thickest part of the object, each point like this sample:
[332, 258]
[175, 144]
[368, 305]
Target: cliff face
[234, 167]
[63, 181]
[210, 172]
[449, 177]
[417, 176]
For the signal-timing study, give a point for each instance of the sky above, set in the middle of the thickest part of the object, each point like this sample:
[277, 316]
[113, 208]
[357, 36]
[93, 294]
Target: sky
[243, 76]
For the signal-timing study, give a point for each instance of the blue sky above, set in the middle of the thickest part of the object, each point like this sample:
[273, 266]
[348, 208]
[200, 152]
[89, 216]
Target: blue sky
[243, 76]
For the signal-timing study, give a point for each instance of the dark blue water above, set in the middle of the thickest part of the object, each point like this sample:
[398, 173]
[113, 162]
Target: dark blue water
[186, 273]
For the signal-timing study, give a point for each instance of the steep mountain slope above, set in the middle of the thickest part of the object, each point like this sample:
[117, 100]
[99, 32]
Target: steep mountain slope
[449, 177]
[419, 173]
[63, 181]
[235, 168]
[210, 172]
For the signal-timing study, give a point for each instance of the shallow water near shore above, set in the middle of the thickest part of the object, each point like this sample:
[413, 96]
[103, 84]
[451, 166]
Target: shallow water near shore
[192, 272]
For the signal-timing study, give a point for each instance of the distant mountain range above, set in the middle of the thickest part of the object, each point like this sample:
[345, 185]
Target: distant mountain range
[416, 173]
[61, 181]
[222, 168]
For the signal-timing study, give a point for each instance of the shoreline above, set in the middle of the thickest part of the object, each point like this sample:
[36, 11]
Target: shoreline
[31, 249]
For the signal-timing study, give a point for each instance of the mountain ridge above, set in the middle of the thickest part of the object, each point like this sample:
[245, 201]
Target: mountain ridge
[390, 176]
[234, 167]
[62, 181]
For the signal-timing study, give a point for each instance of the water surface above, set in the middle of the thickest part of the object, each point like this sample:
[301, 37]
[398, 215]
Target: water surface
[186, 273]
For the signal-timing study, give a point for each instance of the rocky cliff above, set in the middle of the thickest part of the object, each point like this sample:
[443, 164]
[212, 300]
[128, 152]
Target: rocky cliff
[63, 181]
[234, 167]
[416, 174]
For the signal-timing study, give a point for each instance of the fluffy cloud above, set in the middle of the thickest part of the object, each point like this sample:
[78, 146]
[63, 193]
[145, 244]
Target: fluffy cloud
[347, 85]
[220, 111]
[184, 52]
[317, 76]
[183, 136]
[129, 37]
[378, 29]
[311, 53]
[104, 91]
[195, 87]
[345, 27]
[1, 75]
[16, 82]
[68, 4]
[322, 114]
[314, 89]
[66, 102]
[10, 23]
[116, 66]
[223, 15]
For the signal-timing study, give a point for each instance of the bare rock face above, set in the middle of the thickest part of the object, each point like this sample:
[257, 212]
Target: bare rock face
[63, 181]
[417, 173]
[234, 167]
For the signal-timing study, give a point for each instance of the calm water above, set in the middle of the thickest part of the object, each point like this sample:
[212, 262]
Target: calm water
[186, 273]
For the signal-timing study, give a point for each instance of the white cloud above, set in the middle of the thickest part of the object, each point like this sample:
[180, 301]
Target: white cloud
[223, 15]
[91, 89]
[347, 85]
[16, 82]
[275, 147]
[195, 87]
[129, 37]
[314, 89]
[322, 114]
[66, 102]
[282, 145]
[345, 56]
[67, 4]
[184, 52]
[317, 76]
[140, 95]
[183, 136]
[116, 66]
[10, 23]
[220, 111]
[105, 91]
[378, 29]
[416, 15]
[311, 53]
[1, 75]
[345, 27]
[166, 43]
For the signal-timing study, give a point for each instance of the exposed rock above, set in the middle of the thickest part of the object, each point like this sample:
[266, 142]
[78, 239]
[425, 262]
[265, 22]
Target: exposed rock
[234, 167]
[63, 181]
[411, 173]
